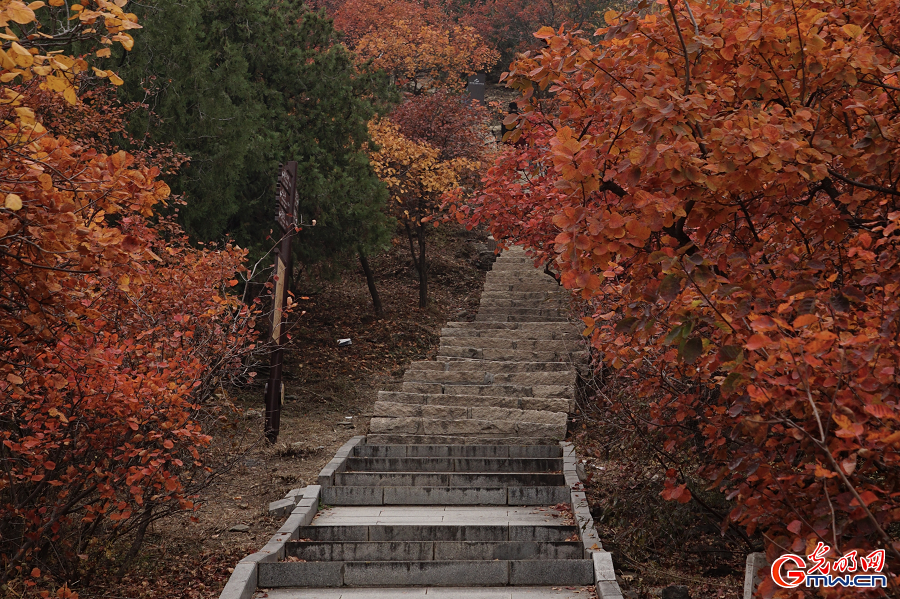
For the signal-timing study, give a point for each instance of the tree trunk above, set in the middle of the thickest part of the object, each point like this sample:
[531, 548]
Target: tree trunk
[370, 281]
[423, 268]
[412, 247]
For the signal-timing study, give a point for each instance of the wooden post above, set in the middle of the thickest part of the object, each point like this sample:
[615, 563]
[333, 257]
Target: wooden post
[286, 216]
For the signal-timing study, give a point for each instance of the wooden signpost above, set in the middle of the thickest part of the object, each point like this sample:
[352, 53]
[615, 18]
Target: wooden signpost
[286, 216]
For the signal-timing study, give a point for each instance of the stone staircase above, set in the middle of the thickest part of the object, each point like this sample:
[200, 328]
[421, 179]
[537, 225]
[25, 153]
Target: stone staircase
[507, 378]
[462, 488]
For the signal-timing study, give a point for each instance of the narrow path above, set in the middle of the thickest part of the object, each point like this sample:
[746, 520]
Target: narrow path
[463, 486]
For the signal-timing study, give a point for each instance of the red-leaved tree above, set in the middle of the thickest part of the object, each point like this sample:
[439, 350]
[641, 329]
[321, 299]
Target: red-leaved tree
[719, 183]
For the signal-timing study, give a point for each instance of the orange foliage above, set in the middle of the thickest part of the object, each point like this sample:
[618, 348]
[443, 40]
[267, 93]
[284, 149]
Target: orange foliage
[414, 43]
[718, 183]
[109, 333]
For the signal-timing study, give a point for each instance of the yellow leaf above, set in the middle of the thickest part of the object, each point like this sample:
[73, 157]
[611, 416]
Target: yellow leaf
[20, 55]
[56, 2]
[104, 53]
[7, 77]
[851, 30]
[36, 5]
[70, 95]
[611, 17]
[13, 202]
[115, 79]
[18, 12]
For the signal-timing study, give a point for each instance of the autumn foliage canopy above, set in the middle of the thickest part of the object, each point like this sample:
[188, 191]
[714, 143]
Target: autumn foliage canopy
[111, 325]
[717, 182]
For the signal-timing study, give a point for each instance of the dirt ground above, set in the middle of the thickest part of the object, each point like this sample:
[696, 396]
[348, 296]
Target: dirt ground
[329, 393]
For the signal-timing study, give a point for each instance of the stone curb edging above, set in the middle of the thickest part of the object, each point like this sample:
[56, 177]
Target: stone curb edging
[604, 573]
[302, 505]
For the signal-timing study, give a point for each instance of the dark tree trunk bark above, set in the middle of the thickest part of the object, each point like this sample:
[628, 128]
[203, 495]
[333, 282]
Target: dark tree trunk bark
[412, 246]
[370, 281]
[423, 268]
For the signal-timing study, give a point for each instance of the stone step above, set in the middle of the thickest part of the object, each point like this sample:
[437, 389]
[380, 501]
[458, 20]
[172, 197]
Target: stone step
[468, 426]
[512, 326]
[492, 533]
[544, 345]
[539, 311]
[386, 409]
[497, 390]
[482, 377]
[492, 366]
[499, 440]
[375, 551]
[370, 450]
[510, 276]
[464, 352]
[561, 332]
[426, 573]
[557, 294]
[517, 318]
[433, 495]
[546, 404]
[407, 464]
[538, 303]
[448, 479]
[522, 287]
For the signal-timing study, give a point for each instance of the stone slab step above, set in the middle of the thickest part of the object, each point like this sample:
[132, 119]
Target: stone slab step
[481, 377]
[555, 294]
[540, 533]
[493, 366]
[517, 326]
[386, 409]
[430, 426]
[371, 450]
[324, 551]
[564, 332]
[448, 479]
[408, 464]
[546, 404]
[518, 592]
[398, 439]
[526, 287]
[498, 390]
[577, 354]
[432, 495]
[544, 345]
[536, 312]
[517, 318]
[551, 302]
[426, 573]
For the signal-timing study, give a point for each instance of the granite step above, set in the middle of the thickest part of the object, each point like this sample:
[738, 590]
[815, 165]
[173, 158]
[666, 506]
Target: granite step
[448, 479]
[448, 464]
[425, 573]
[483, 377]
[492, 366]
[547, 404]
[497, 390]
[443, 495]
[468, 426]
[371, 450]
[578, 354]
[385, 409]
[461, 440]
[378, 551]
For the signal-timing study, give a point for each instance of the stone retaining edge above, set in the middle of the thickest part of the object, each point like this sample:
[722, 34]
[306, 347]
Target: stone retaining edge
[604, 573]
[302, 505]
[339, 462]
